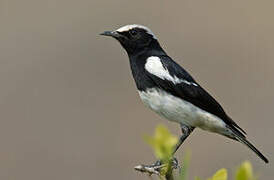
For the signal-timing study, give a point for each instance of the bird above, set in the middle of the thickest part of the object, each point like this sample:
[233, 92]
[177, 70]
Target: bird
[168, 89]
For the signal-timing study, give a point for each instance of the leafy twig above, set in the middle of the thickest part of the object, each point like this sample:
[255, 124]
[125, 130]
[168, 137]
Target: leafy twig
[156, 169]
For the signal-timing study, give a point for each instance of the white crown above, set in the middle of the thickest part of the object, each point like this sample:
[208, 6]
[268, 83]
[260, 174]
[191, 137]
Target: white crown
[132, 26]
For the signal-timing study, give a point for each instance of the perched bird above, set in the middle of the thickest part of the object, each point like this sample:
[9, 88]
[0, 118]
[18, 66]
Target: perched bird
[169, 90]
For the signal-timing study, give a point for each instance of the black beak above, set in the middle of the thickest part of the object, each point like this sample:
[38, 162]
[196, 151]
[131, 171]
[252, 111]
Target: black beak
[111, 33]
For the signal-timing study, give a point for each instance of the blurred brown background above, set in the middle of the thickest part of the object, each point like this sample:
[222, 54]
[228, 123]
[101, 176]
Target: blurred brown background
[68, 104]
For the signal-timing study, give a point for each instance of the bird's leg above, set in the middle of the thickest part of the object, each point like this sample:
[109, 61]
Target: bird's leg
[156, 167]
[186, 131]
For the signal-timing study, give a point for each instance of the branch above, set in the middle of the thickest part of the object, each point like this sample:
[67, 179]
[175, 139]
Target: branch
[156, 169]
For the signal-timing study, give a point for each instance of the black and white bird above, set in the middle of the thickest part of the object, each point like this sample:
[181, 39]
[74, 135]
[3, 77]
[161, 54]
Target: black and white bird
[169, 90]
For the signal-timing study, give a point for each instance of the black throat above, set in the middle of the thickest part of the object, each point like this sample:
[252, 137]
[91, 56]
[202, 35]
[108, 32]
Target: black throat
[138, 61]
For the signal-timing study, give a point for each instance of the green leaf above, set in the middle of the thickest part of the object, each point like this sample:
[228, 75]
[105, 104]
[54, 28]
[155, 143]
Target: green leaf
[245, 172]
[197, 178]
[163, 143]
[220, 175]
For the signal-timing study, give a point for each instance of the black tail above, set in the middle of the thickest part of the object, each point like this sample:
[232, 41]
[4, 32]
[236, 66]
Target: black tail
[245, 141]
[241, 138]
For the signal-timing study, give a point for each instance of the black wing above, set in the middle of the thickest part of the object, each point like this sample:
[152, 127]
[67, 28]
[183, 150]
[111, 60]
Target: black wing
[191, 91]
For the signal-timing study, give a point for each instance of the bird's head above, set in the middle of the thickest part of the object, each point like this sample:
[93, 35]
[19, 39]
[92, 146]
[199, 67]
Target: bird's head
[133, 38]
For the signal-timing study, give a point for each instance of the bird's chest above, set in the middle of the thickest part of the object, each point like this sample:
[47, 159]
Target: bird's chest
[170, 107]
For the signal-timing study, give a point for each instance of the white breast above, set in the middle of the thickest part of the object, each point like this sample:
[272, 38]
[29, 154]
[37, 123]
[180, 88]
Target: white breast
[180, 111]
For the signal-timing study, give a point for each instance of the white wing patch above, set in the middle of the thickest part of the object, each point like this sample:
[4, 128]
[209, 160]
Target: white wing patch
[155, 67]
[132, 26]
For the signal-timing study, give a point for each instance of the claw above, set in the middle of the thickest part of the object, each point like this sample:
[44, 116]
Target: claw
[156, 167]
[175, 163]
[157, 163]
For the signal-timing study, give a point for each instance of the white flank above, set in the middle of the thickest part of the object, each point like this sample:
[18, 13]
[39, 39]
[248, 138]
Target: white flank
[180, 111]
[155, 67]
[132, 26]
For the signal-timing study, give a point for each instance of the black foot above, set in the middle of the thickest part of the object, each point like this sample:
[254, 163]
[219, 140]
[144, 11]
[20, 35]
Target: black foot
[157, 163]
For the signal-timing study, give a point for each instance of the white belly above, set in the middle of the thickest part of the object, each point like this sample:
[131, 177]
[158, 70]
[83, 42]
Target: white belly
[180, 111]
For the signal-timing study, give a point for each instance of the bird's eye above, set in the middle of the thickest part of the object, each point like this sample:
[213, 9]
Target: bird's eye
[133, 32]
